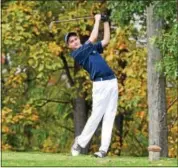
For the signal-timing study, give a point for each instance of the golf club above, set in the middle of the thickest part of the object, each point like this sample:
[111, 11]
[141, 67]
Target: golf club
[69, 20]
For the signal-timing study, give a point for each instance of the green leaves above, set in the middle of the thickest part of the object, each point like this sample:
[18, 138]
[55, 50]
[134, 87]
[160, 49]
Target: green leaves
[167, 43]
[27, 96]
[123, 11]
[26, 39]
[122, 14]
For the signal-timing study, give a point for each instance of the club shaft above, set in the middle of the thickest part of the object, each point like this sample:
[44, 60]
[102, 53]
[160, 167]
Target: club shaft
[69, 20]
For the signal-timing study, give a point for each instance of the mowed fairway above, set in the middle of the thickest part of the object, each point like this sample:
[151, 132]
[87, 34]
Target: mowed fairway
[46, 159]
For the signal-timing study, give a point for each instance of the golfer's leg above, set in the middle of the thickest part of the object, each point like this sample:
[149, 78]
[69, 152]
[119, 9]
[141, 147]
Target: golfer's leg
[109, 116]
[98, 109]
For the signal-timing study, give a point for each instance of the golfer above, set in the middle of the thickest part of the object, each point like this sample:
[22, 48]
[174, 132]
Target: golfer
[105, 87]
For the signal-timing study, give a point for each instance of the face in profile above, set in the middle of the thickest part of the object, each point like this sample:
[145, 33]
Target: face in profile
[74, 42]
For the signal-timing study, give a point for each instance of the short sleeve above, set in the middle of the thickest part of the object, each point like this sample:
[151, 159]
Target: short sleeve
[98, 46]
[87, 42]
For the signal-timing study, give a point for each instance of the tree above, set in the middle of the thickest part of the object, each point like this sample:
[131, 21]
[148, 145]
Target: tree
[41, 58]
[123, 14]
[158, 131]
[47, 97]
[33, 80]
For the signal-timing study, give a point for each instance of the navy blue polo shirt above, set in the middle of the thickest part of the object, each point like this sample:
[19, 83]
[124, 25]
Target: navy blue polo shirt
[88, 56]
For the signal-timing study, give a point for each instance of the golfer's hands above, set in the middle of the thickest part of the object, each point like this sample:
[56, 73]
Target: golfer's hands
[97, 17]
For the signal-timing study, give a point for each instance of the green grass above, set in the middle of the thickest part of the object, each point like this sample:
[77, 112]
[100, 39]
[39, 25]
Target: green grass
[46, 159]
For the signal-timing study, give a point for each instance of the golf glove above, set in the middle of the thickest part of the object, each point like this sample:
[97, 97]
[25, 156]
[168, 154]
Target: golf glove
[104, 18]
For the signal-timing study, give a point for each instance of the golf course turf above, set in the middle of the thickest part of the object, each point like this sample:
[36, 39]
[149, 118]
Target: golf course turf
[59, 159]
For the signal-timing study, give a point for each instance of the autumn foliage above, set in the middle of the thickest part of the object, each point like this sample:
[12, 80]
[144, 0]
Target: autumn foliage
[37, 97]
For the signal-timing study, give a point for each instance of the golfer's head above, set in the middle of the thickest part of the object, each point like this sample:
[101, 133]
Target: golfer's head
[72, 40]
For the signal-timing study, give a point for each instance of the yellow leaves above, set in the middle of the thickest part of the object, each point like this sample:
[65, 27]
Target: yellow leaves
[132, 83]
[6, 110]
[119, 31]
[25, 25]
[118, 138]
[27, 114]
[34, 117]
[14, 80]
[52, 81]
[172, 151]
[129, 71]
[20, 6]
[50, 146]
[49, 14]
[7, 34]
[121, 45]
[94, 147]
[33, 62]
[140, 114]
[124, 146]
[121, 89]
[90, 22]
[26, 9]
[17, 118]
[5, 129]
[110, 55]
[12, 7]
[54, 48]
[115, 145]
[85, 32]
[96, 8]
[6, 115]
[174, 129]
[130, 64]
[6, 147]
[53, 28]
[17, 79]
[9, 80]
[142, 92]
[141, 105]
[28, 109]
[35, 30]
[172, 140]
[86, 86]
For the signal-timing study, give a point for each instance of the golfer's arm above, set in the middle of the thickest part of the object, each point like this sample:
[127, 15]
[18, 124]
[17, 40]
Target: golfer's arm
[94, 34]
[106, 38]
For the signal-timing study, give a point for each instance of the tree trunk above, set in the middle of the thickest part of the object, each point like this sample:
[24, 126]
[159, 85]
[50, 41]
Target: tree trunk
[80, 110]
[79, 103]
[80, 118]
[158, 131]
[119, 121]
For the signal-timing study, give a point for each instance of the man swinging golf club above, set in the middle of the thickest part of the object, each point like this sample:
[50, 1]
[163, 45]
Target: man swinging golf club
[105, 87]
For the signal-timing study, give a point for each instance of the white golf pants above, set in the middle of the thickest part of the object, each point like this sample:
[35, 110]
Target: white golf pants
[105, 97]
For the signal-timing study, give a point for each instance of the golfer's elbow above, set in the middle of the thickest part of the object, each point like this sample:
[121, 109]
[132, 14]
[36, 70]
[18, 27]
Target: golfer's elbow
[93, 38]
[105, 42]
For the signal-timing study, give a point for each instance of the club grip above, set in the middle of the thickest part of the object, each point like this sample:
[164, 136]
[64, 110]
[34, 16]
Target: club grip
[104, 18]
